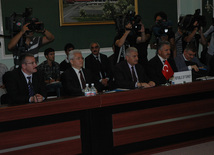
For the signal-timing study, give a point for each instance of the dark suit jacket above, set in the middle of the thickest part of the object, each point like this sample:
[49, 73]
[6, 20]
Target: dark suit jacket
[154, 70]
[123, 75]
[71, 84]
[17, 89]
[93, 65]
[64, 65]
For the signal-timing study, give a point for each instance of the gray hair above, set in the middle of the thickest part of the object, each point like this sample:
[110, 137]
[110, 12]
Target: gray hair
[72, 53]
[162, 43]
[95, 43]
[129, 50]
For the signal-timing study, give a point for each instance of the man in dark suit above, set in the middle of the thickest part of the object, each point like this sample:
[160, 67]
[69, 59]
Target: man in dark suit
[98, 64]
[155, 65]
[65, 64]
[75, 78]
[24, 84]
[129, 74]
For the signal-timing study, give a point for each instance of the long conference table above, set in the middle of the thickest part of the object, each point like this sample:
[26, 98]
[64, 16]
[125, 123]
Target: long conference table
[141, 121]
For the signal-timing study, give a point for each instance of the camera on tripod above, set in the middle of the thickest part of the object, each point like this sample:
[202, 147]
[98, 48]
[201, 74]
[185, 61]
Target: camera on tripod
[122, 20]
[162, 28]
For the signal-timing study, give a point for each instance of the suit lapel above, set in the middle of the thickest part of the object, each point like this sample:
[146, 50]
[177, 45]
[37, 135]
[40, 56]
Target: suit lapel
[23, 82]
[74, 75]
[128, 69]
[159, 63]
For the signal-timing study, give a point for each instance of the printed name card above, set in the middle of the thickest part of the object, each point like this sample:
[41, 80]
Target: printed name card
[182, 77]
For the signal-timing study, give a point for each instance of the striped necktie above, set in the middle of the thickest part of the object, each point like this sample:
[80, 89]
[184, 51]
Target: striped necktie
[30, 86]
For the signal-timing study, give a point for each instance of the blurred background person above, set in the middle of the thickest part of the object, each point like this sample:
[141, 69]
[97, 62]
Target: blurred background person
[129, 33]
[26, 41]
[163, 31]
[65, 64]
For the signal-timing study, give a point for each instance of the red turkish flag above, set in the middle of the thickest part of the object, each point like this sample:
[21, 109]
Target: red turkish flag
[167, 70]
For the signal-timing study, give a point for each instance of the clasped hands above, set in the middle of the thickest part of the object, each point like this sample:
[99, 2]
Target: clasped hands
[146, 85]
[36, 98]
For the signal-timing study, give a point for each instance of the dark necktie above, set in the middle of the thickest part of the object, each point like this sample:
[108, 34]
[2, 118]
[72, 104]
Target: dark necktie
[100, 68]
[82, 80]
[30, 86]
[134, 78]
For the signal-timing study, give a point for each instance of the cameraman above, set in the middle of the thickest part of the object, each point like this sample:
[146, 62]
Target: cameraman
[30, 43]
[128, 37]
[162, 30]
[195, 36]
[210, 51]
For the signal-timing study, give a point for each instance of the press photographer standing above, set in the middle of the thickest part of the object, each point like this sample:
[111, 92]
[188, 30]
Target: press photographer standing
[127, 36]
[30, 43]
[163, 31]
[191, 27]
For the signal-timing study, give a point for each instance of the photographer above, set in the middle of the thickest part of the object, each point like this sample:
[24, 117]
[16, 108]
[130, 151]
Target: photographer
[128, 35]
[30, 43]
[162, 31]
[191, 30]
[210, 50]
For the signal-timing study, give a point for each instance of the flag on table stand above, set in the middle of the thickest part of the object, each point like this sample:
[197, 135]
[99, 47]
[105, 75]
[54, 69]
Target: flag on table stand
[167, 70]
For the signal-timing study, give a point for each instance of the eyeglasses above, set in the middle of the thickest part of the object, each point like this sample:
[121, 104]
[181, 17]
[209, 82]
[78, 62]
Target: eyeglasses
[31, 63]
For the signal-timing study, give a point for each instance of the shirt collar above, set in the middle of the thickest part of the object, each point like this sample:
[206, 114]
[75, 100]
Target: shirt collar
[184, 57]
[26, 75]
[76, 70]
[161, 59]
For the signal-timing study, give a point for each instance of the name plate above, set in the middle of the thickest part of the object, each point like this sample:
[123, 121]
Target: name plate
[182, 77]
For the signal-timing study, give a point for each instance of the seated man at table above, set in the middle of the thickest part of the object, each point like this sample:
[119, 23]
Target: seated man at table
[51, 71]
[98, 64]
[75, 78]
[188, 61]
[129, 74]
[161, 67]
[24, 84]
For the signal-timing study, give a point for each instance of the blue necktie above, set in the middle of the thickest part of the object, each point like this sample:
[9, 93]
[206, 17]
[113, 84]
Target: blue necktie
[30, 86]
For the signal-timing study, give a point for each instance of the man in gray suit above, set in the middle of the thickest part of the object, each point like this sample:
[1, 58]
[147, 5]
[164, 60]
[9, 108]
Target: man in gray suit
[188, 61]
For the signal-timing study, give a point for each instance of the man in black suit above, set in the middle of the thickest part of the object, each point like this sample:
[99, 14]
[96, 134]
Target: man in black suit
[24, 84]
[75, 78]
[98, 64]
[155, 65]
[129, 74]
[65, 64]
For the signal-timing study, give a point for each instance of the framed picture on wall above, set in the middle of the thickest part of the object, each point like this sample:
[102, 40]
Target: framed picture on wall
[92, 12]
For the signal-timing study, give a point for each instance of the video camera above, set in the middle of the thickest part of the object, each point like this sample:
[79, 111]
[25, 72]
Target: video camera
[162, 28]
[122, 20]
[15, 22]
[186, 22]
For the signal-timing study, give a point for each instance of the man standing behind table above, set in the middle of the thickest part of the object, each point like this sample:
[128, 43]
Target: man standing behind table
[75, 78]
[161, 67]
[24, 84]
[129, 74]
[65, 64]
[98, 64]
